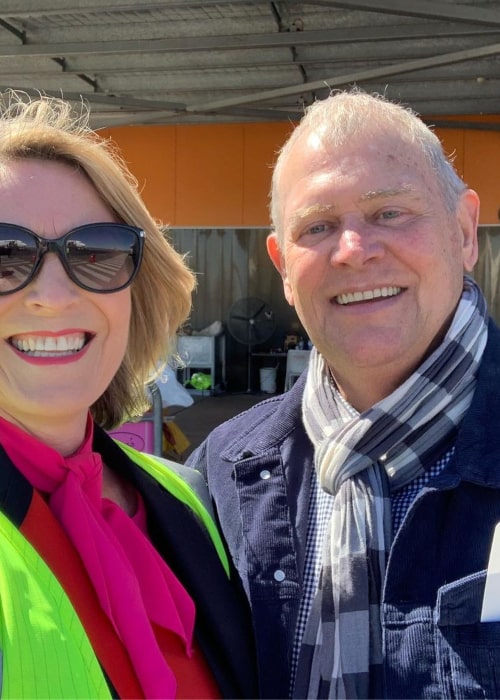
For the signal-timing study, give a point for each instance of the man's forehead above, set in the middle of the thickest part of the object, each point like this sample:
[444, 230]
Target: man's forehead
[313, 152]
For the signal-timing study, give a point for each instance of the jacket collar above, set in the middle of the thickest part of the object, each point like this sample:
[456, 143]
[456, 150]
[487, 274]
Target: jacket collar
[267, 424]
[223, 625]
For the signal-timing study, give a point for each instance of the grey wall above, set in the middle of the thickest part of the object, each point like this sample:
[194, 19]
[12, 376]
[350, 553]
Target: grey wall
[487, 270]
[232, 264]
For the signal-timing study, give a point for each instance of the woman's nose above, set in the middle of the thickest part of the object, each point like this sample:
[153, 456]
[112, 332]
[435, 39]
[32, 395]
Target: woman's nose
[52, 288]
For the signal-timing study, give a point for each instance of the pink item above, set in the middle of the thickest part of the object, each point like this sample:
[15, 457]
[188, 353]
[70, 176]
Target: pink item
[139, 435]
[135, 587]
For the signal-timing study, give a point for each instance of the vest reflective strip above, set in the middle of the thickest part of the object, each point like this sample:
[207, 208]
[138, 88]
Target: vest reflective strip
[182, 491]
[46, 651]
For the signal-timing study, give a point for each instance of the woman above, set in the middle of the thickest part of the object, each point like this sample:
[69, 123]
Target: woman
[113, 581]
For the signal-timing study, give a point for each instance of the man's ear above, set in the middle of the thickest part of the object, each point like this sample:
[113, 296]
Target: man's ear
[273, 248]
[468, 219]
[274, 251]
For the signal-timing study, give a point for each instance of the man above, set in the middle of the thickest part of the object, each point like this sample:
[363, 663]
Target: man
[360, 506]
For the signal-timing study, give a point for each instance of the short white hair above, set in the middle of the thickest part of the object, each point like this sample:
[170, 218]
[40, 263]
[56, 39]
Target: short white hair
[345, 114]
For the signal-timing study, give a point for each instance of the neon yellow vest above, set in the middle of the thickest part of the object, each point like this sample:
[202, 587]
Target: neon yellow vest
[44, 648]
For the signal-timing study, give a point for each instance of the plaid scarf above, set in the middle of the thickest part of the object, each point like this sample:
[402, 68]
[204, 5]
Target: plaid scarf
[360, 461]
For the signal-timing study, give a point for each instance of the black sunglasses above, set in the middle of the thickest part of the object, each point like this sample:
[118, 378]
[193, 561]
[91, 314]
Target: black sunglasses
[102, 257]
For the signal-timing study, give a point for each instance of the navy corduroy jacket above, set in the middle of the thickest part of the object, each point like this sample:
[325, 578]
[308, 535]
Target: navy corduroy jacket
[258, 466]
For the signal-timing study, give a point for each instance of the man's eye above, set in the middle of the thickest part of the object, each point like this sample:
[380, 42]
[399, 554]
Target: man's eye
[317, 228]
[390, 214]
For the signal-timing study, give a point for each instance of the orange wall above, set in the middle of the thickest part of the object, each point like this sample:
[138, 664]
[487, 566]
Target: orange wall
[477, 160]
[219, 175]
[481, 171]
[203, 176]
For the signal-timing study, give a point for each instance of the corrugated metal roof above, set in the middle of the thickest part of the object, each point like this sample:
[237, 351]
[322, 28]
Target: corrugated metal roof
[177, 61]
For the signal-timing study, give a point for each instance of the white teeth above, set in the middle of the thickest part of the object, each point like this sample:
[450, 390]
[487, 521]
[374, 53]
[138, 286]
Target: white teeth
[50, 346]
[62, 344]
[352, 297]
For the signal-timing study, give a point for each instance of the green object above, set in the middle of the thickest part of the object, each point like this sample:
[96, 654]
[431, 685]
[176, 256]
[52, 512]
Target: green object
[201, 381]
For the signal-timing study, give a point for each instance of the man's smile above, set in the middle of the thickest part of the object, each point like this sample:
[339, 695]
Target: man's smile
[367, 295]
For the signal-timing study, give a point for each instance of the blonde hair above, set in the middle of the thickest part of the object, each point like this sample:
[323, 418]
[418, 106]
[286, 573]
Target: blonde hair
[48, 128]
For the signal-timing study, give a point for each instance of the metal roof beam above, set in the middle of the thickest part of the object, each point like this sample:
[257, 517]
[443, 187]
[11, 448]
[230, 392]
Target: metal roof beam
[46, 8]
[237, 41]
[94, 97]
[423, 8]
[356, 76]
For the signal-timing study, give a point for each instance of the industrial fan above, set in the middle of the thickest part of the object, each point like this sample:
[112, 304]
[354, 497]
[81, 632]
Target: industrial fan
[250, 322]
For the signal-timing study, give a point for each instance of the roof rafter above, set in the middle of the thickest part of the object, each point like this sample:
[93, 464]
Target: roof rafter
[356, 76]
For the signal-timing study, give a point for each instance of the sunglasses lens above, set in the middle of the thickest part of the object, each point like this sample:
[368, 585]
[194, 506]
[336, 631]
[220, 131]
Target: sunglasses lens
[18, 252]
[101, 257]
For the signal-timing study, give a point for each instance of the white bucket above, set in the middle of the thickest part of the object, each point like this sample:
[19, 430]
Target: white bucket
[268, 380]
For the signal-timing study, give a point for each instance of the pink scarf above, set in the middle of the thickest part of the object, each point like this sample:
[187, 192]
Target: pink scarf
[134, 585]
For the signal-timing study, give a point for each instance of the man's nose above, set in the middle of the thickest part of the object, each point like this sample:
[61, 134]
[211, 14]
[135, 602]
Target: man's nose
[357, 244]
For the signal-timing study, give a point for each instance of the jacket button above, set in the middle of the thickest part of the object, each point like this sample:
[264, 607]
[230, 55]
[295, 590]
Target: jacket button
[279, 575]
[265, 474]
